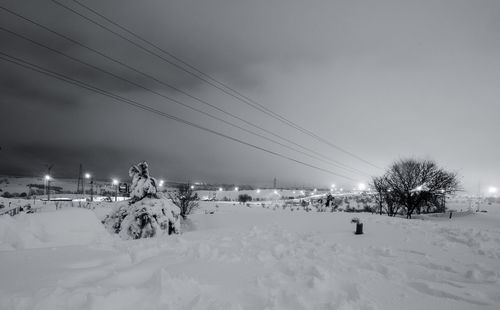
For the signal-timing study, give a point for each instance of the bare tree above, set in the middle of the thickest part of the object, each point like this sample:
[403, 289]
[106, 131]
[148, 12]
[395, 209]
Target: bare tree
[415, 185]
[384, 198]
[185, 198]
[381, 192]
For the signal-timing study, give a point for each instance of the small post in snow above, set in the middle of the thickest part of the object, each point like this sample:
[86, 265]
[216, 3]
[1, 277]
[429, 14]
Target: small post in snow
[359, 226]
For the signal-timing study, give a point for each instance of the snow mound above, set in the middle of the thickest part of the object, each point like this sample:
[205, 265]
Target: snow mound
[50, 229]
[143, 219]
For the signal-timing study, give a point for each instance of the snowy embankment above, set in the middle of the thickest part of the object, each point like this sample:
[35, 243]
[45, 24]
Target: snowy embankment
[253, 258]
[66, 227]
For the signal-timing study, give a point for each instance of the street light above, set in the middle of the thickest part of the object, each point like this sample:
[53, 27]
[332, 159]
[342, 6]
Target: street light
[492, 190]
[89, 176]
[115, 183]
[161, 183]
[236, 188]
[258, 191]
[47, 189]
[442, 191]
[220, 189]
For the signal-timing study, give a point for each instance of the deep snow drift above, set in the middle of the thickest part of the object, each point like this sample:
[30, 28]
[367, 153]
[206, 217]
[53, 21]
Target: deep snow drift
[252, 258]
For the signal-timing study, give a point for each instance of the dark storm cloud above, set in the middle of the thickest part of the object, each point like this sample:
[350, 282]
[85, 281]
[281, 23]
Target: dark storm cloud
[83, 33]
[24, 90]
[32, 159]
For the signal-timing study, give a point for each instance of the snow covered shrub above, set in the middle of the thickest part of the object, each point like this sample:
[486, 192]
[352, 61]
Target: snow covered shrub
[7, 195]
[142, 184]
[367, 208]
[243, 198]
[144, 219]
[147, 214]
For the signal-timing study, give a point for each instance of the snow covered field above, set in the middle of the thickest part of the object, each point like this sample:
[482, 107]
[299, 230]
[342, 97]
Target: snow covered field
[252, 258]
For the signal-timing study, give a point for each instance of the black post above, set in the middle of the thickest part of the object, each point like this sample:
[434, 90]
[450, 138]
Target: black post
[91, 188]
[359, 228]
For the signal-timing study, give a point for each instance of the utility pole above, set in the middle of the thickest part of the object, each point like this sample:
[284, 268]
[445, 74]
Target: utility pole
[115, 183]
[47, 179]
[48, 188]
[274, 183]
[91, 178]
[479, 196]
[92, 188]
[80, 182]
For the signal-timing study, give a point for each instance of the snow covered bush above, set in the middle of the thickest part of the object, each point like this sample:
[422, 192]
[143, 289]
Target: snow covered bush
[243, 198]
[144, 219]
[142, 184]
[147, 214]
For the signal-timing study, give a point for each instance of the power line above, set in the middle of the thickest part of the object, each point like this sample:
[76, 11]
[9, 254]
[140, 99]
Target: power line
[331, 161]
[207, 80]
[157, 93]
[33, 67]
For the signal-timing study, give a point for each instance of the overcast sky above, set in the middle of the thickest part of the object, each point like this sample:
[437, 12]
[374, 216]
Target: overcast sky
[381, 79]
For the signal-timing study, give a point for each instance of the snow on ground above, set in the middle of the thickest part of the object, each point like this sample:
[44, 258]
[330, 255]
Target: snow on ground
[66, 227]
[244, 257]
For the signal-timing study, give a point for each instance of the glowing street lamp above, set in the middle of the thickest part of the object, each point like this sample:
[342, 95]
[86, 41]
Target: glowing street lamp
[220, 189]
[47, 182]
[192, 186]
[115, 183]
[443, 199]
[492, 190]
[89, 176]
[258, 191]
[236, 189]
